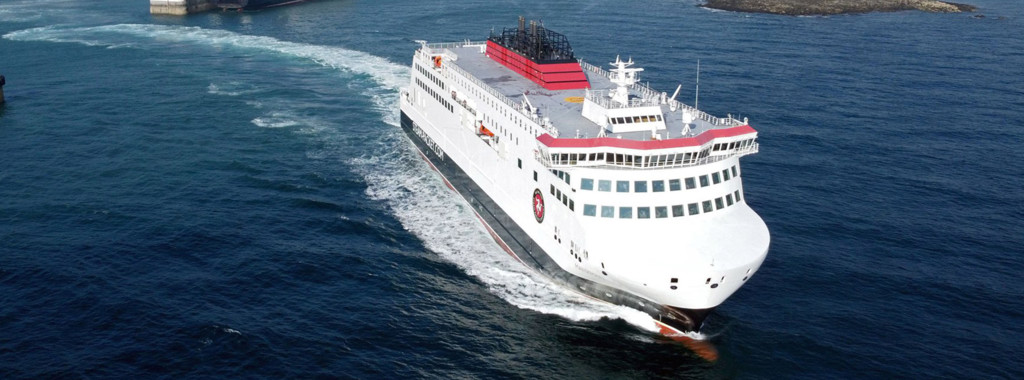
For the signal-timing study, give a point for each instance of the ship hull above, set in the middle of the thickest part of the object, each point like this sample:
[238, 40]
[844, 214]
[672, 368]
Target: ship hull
[517, 243]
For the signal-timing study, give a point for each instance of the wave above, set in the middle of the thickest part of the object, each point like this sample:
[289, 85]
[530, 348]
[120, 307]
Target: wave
[393, 170]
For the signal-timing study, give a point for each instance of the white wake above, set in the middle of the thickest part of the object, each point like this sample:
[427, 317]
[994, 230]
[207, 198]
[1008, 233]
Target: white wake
[393, 171]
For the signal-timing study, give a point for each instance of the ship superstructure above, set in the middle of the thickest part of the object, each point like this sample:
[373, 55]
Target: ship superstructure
[593, 179]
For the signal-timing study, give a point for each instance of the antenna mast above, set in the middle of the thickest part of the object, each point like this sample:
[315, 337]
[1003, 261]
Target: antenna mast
[696, 95]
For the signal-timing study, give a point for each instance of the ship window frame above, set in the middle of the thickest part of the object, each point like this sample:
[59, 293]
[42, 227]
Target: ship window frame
[619, 186]
[678, 211]
[675, 184]
[734, 171]
[589, 210]
[658, 186]
[693, 208]
[728, 200]
[639, 186]
[716, 178]
[587, 184]
[661, 212]
[572, 205]
[625, 212]
[604, 185]
[707, 207]
[691, 183]
[643, 212]
[719, 203]
[610, 211]
[704, 181]
[725, 175]
[737, 196]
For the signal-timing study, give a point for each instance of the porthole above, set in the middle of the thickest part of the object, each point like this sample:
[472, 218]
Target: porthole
[714, 286]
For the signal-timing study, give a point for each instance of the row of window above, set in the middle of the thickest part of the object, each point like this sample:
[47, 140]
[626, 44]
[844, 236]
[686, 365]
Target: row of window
[658, 186]
[562, 175]
[637, 161]
[564, 198]
[634, 119]
[437, 97]
[733, 145]
[664, 211]
[629, 160]
[426, 72]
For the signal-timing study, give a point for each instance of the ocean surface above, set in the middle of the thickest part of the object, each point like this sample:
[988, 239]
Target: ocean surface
[228, 195]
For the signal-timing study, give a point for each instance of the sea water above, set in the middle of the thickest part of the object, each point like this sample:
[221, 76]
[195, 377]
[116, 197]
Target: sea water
[228, 194]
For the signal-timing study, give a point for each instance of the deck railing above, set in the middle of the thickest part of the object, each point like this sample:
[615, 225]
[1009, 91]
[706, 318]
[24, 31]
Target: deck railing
[650, 96]
[444, 49]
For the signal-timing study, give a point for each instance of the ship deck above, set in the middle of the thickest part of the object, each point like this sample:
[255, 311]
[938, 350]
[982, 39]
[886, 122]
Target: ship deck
[566, 115]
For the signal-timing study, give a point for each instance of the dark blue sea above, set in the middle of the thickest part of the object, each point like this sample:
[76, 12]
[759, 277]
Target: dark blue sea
[228, 195]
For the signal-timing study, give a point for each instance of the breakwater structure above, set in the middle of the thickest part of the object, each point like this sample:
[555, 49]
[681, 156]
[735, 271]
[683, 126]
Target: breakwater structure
[180, 7]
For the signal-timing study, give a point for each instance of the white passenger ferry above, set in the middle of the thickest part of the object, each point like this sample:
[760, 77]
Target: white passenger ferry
[593, 179]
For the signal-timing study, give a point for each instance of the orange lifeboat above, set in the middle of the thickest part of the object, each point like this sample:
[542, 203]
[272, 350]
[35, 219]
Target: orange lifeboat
[437, 61]
[485, 132]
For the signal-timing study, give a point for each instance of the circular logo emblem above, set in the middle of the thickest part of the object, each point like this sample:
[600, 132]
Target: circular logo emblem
[538, 206]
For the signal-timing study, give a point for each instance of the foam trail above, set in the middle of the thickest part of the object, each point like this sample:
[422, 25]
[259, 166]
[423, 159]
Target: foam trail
[393, 170]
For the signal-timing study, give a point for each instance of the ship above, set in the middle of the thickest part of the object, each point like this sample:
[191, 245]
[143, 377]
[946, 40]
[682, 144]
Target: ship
[588, 176]
[253, 4]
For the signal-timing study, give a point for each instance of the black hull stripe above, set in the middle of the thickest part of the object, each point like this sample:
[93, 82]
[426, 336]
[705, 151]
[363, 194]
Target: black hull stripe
[521, 246]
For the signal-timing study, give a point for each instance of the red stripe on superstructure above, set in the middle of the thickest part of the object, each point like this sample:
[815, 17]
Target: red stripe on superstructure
[551, 76]
[681, 142]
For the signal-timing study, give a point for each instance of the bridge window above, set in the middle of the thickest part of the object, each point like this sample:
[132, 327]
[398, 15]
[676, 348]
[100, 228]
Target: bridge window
[677, 211]
[728, 199]
[725, 174]
[737, 195]
[607, 212]
[604, 185]
[625, 212]
[589, 210]
[704, 181]
[734, 171]
[658, 186]
[640, 186]
[587, 184]
[622, 186]
[716, 178]
[719, 204]
[661, 212]
[707, 206]
[673, 184]
[691, 183]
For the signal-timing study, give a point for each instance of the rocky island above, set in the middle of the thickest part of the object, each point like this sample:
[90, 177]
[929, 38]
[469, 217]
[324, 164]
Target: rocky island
[833, 7]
